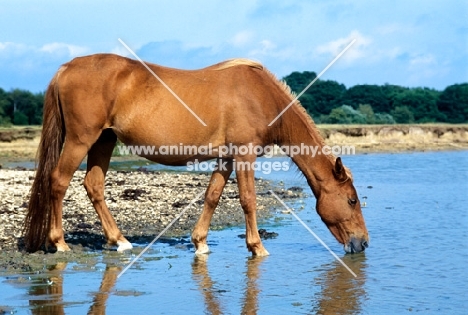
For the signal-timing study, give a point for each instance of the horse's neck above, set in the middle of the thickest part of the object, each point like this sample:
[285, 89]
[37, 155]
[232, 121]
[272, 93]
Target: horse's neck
[312, 162]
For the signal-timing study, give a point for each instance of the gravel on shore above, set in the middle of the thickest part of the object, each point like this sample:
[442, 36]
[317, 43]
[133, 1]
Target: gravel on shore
[143, 203]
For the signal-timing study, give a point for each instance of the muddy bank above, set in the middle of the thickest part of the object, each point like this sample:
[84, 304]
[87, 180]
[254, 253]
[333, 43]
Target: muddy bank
[143, 203]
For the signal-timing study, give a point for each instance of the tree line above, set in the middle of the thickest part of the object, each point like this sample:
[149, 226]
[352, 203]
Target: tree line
[331, 102]
[20, 107]
[326, 101]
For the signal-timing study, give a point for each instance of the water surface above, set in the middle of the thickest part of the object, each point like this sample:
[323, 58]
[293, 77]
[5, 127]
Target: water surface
[416, 216]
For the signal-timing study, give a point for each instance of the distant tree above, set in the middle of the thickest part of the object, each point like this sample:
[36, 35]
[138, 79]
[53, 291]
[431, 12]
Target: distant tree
[321, 97]
[20, 119]
[453, 103]
[402, 115]
[4, 119]
[344, 114]
[297, 81]
[336, 116]
[368, 113]
[367, 94]
[25, 103]
[325, 96]
[422, 102]
[324, 100]
[391, 92]
[384, 118]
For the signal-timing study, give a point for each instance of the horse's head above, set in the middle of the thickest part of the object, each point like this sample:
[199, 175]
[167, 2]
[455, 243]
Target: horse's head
[339, 207]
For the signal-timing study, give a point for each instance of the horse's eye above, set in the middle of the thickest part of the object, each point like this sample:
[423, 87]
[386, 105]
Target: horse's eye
[352, 202]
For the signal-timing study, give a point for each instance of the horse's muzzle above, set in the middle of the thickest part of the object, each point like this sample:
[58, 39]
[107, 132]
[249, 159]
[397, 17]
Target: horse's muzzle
[356, 245]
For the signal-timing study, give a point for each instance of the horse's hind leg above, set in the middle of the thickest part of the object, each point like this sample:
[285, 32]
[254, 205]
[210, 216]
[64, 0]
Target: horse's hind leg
[213, 193]
[98, 162]
[72, 154]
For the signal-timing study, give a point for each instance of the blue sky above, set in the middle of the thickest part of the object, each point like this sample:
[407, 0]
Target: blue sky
[408, 43]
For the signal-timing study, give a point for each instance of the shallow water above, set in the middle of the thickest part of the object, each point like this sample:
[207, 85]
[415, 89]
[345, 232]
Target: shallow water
[416, 216]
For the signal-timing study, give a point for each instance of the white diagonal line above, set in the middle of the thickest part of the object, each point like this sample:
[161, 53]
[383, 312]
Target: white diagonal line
[312, 232]
[313, 81]
[162, 82]
[160, 234]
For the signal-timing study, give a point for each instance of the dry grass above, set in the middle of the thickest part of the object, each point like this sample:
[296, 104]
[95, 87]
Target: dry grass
[21, 148]
[398, 138]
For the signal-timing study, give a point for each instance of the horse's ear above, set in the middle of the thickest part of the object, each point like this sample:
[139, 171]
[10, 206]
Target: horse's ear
[339, 170]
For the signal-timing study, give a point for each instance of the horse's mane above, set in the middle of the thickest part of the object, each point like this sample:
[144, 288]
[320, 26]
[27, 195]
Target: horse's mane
[305, 117]
[301, 112]
[237, 62]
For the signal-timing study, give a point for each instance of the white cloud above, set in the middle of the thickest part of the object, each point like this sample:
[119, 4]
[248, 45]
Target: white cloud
[394, 28]
[357, 51]
[424, 66]
[242, 39]
[60, 48]
[269, 52]
[423, 60]
[10, 48]
[392, 53]
[267, 47]
[6, 45]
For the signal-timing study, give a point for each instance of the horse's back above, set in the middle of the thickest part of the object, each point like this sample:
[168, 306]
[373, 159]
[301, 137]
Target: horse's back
[235, 99]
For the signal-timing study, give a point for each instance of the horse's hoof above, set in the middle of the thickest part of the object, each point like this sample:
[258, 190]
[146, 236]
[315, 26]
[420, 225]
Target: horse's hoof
[62, 247]
[123, 246]
[261, 253]
[202, 249]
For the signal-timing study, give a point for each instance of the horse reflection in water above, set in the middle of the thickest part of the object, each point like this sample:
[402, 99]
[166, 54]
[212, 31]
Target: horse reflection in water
[210, 294]
[48, 298]
[47, 295]
[107, 284]
[340, 292]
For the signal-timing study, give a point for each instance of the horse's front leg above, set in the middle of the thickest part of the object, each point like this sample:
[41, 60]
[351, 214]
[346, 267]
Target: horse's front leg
[213, 193]
[248, 200]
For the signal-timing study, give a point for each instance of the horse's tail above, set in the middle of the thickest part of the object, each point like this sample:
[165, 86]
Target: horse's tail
[37, 222]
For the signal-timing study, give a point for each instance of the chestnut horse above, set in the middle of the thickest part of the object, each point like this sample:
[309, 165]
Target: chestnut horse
[92, 101]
